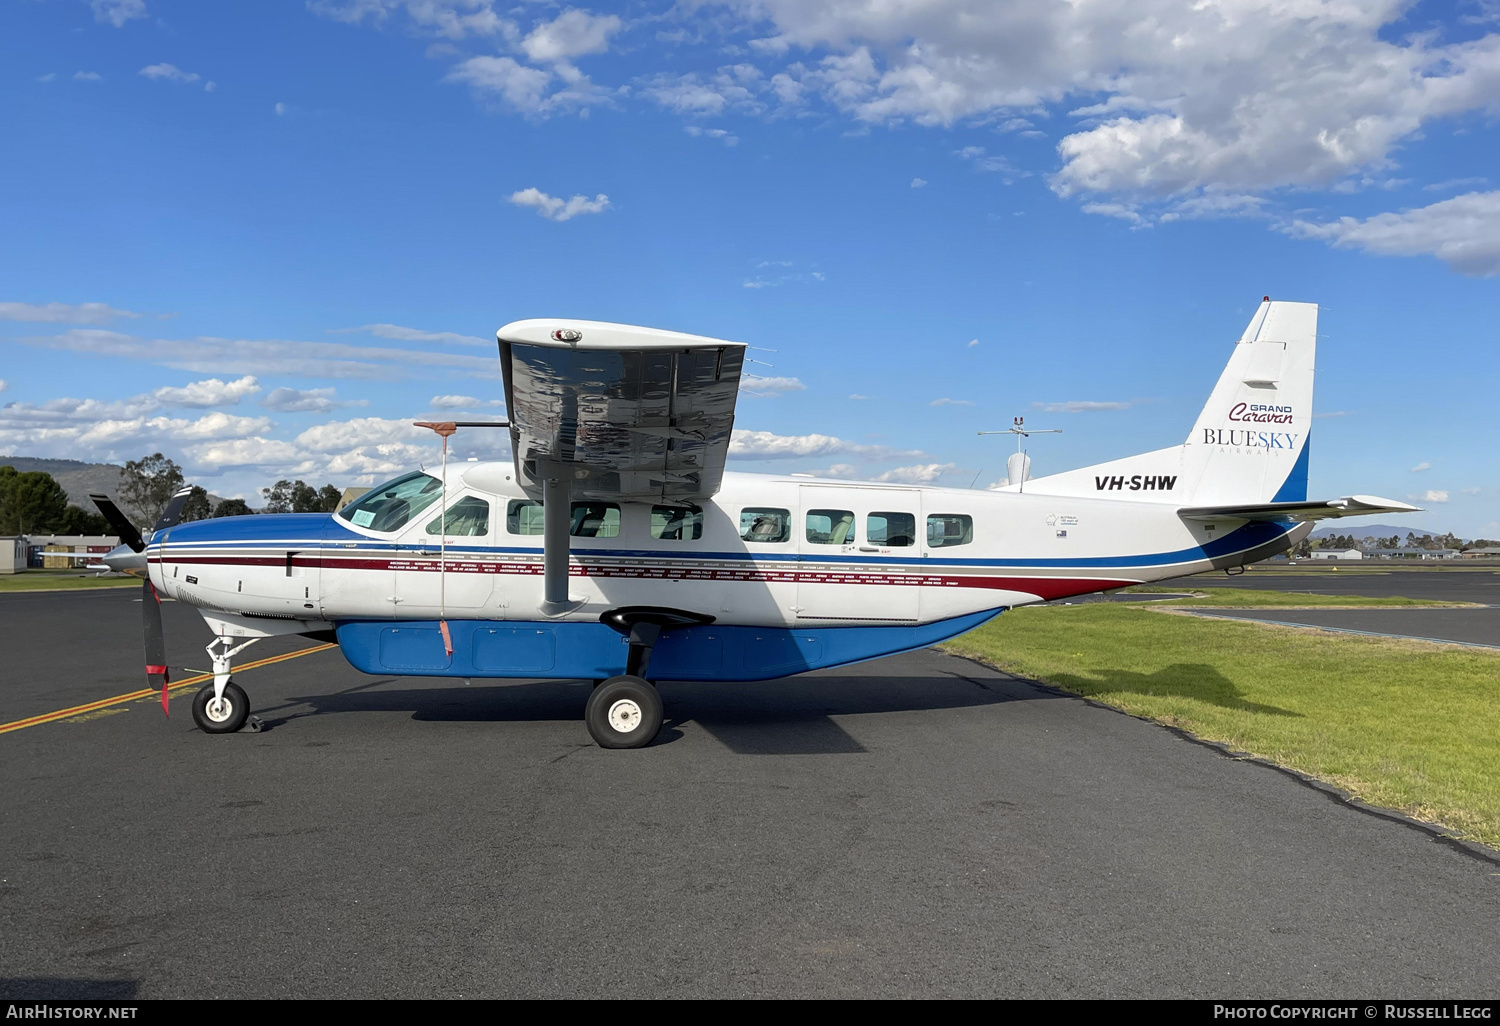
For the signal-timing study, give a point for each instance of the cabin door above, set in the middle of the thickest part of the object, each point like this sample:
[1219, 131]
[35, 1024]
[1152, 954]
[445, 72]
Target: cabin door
[857, 547]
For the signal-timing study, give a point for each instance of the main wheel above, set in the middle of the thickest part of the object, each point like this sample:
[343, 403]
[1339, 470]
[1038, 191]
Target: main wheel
[224, 716]
[624, 712]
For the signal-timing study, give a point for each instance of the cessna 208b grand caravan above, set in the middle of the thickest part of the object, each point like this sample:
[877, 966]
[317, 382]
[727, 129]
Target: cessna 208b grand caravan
[615, 547]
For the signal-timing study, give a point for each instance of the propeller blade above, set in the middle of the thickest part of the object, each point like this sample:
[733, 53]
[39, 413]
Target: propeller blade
[173, 512]
[127, 531]
[156, 642]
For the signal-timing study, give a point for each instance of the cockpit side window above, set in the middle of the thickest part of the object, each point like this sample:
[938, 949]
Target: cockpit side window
[389, 507]
[469, 517]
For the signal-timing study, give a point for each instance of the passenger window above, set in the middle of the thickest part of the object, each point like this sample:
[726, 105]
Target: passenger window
[676, 523]
[830, 526]
[761, 525]
[523, 516]
[892, 529]
[595, 520]
[467, 518]
[949, 529]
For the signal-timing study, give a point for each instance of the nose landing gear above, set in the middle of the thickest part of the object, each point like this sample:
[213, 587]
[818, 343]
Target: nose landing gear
[222, 707]
[221, 714]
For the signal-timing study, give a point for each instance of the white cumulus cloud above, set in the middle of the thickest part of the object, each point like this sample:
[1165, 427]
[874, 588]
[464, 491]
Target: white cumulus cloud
[920, 474]
[572, 33]
[766, 445]
[1424, 465]
[1463, 232]
[1431, 495]
[554, 208]
[210, 392]
[756, 383]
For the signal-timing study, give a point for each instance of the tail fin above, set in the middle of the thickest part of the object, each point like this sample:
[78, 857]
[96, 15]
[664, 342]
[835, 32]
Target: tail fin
[1250, 443]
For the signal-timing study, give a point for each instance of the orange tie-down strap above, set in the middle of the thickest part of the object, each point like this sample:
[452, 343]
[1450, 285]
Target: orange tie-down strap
[186, 682]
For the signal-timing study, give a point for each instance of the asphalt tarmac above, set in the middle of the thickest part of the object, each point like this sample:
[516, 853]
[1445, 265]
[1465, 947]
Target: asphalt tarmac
[916, 826]
[1465, 626]
[1455, 584]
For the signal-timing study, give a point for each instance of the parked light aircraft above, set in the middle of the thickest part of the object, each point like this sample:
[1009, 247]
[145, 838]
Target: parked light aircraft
[615, 547]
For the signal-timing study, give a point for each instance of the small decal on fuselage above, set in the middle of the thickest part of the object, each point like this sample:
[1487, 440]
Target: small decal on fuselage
[1135, 483]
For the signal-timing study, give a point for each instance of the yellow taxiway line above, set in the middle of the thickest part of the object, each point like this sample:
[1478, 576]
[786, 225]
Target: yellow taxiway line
[62, 714]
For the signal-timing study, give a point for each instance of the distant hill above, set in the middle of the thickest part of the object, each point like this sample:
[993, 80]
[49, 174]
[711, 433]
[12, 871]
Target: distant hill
[77, 478]
[1373, 530]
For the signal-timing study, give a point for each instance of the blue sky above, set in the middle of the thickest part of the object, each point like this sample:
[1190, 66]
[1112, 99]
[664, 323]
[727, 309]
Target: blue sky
[265, 237]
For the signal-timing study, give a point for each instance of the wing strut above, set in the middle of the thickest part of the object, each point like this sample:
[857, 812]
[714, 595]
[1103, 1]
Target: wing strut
[557, 507]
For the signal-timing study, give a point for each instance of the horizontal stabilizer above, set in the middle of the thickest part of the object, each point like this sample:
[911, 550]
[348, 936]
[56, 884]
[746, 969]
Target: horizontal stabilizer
[1348, 506]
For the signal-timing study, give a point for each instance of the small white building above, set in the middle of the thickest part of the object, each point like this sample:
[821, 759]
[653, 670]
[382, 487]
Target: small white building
[13, 554]
[1337, 554]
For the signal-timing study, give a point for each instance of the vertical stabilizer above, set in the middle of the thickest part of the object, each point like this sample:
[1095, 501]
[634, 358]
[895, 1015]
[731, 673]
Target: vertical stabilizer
[1250, 443]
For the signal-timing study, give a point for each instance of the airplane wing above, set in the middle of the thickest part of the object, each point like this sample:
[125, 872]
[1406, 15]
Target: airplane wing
[1348, 506]
[625, 413]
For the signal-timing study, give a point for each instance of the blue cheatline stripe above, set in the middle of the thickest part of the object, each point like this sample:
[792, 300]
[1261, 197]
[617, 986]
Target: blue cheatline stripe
[1245, 537]
[561, 650]
[1294, 488]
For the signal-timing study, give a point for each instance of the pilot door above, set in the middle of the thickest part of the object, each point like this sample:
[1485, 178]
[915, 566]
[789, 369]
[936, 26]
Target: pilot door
[462, 581]
[858, 548]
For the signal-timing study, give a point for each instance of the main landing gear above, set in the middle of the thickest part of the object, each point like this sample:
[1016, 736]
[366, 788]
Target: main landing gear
[626, 711]
[222, 707]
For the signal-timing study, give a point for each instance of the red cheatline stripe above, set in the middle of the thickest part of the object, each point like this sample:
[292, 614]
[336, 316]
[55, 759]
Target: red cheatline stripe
[77, 710]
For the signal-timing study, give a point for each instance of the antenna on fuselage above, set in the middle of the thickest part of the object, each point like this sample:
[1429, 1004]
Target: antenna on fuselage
[1018, 466]
[444, 430]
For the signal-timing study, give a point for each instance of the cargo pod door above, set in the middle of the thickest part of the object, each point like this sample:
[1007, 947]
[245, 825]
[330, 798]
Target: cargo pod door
[853, 545]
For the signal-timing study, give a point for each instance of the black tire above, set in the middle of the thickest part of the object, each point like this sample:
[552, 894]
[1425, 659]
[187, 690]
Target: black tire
[224, 721]
[624, 712]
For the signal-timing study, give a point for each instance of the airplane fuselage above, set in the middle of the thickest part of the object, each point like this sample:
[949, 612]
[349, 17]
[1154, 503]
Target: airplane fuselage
[796, 572]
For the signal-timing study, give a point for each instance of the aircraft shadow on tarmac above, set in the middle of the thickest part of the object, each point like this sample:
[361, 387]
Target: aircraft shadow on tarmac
[47, 988]
[1181, 680]
[792, 716]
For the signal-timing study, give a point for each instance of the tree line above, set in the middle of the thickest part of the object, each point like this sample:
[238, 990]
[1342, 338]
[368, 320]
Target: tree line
[32, 502]
[1429, 542]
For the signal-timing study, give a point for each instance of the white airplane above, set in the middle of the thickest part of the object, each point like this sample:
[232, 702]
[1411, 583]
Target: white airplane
[615, 547]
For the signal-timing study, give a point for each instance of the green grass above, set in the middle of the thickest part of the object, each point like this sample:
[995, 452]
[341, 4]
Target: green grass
[1406, 725]
[1257, 597]
[57, 580]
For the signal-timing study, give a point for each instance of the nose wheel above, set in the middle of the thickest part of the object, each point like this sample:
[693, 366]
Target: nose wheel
[623, 712]
[221, 714]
